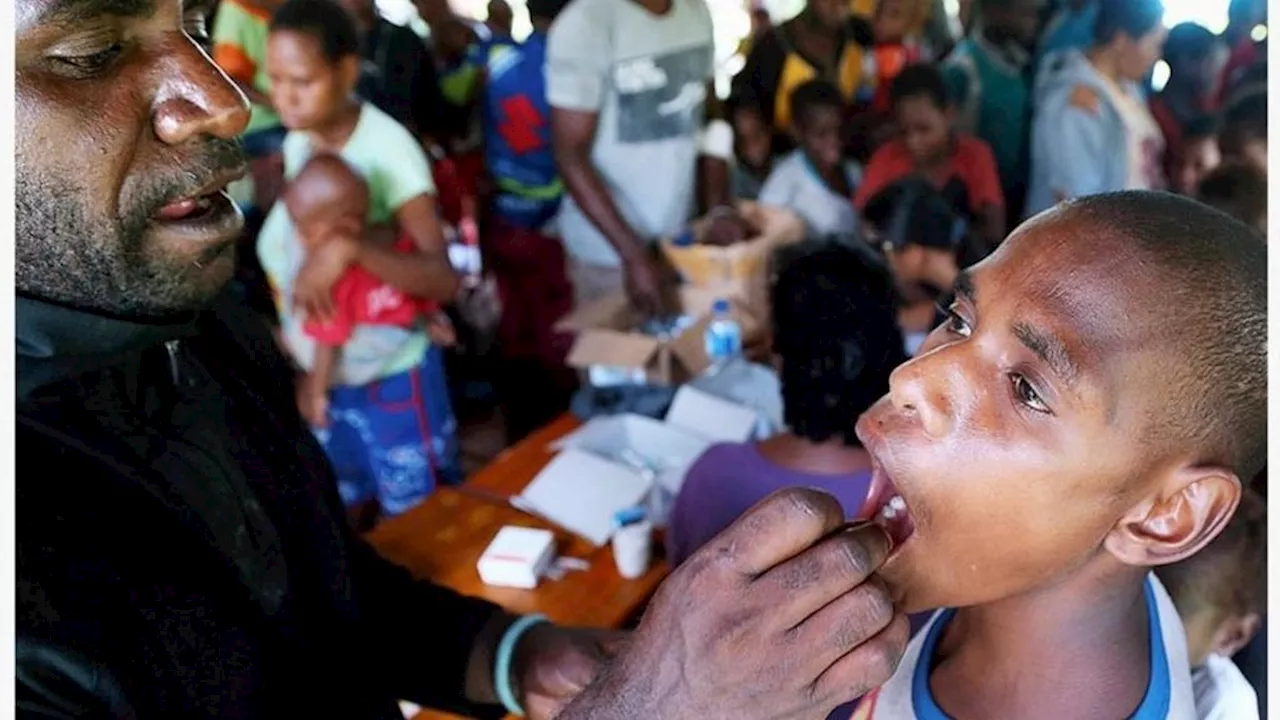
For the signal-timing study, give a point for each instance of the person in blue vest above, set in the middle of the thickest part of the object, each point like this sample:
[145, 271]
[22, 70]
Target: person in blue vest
[519, 240]
[987, 78]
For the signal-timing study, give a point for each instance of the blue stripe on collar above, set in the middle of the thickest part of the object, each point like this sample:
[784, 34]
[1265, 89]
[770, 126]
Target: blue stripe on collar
[1155, 703]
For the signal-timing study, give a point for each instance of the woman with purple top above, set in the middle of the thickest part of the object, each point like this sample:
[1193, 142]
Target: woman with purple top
[835, 341]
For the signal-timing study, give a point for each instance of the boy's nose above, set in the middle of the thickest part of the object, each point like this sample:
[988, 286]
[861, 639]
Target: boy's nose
[913, 394]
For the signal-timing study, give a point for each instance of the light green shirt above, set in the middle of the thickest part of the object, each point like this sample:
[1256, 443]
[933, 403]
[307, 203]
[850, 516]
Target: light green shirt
[396, 170]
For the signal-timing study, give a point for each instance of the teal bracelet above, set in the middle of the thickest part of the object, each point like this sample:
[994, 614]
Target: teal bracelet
[502, 664]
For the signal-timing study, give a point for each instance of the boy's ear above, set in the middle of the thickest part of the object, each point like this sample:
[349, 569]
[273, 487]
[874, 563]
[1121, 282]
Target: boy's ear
[1194, 506]
[1234, 633]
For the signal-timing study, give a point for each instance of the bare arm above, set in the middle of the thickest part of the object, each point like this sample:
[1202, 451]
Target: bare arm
[426, 273]
[573, 133]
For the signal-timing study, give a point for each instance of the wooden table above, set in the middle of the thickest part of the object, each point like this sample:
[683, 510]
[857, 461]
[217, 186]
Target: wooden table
[444, 537]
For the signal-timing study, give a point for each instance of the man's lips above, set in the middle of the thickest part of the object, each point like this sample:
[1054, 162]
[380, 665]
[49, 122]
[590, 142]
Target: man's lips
[202, 201]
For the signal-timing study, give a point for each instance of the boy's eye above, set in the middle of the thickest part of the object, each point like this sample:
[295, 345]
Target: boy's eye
[1026, 394]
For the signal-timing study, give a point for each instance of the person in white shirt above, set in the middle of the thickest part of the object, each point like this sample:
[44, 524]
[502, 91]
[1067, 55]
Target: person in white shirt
[1221, 593]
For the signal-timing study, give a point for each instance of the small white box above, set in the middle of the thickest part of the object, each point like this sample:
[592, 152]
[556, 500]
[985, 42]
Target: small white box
[517, 557]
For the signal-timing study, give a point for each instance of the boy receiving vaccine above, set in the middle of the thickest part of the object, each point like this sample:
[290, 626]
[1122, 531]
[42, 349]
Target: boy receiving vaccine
[1085, 414]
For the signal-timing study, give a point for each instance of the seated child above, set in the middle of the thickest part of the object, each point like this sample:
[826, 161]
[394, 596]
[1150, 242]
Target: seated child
[1089, 411]
[752, 146]
[326, 190]
[815, 181]
[835, 343]
[1239, 190]
[928, 147]
[1221, 594]
[924, 242]
[1197, 155]
[1244, 131]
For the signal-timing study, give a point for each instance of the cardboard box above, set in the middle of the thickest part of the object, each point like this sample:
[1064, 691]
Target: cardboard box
[740, 270]
[607, 336]
[517, 557]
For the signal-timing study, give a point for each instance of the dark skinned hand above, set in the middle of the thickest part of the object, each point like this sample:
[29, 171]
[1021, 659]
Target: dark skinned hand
[644, 284]
[778, 617]
[559, 663]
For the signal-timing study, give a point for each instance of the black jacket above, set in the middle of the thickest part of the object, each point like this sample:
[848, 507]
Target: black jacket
[399, 77]
[181, 548]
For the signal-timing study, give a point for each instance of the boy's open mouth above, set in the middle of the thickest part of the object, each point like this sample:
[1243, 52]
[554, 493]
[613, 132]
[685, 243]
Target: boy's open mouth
[885, 507]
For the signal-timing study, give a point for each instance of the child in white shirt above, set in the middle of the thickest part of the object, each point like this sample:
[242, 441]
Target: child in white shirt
[1221, 593]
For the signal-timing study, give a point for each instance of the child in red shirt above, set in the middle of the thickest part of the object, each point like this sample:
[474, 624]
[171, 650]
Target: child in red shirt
[928, 147]
[324, 192]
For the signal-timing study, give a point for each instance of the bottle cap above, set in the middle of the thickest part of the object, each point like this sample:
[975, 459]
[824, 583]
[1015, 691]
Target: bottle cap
[720, 306]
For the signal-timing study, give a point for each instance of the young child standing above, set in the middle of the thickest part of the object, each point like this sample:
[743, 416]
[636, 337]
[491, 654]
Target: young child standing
[930, 148]
[1221, 594]
[391, 427]
[1089, 411]
[815, 181]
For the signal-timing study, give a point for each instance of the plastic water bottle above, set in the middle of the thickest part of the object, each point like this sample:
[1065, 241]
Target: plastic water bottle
[724, 336]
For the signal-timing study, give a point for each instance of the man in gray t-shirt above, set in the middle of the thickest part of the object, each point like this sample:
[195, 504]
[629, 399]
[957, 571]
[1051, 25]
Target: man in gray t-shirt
[629, 83]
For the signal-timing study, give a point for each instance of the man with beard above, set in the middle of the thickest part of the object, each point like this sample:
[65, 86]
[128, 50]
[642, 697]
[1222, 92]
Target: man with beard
[182, 551]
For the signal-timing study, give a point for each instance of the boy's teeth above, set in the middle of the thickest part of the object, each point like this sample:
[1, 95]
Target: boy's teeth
[891, 509]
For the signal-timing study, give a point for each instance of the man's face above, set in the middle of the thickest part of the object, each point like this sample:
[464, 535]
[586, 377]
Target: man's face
[127, 141]
[831, 13]
[1012, 434]
[1021, 20]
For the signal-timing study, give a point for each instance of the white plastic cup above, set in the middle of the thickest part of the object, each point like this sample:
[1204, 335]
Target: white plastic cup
[633, 549]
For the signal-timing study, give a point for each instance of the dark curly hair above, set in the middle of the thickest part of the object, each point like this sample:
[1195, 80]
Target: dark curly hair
[835, 329]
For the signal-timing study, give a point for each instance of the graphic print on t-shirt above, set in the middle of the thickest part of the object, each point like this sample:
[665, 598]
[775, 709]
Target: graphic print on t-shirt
[661, 97]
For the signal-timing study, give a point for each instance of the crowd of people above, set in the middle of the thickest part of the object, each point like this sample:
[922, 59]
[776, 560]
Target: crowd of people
[988, 292]
[883, 135]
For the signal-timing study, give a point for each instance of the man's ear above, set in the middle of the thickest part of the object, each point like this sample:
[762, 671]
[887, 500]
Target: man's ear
[1194, 505]
[1234, 634]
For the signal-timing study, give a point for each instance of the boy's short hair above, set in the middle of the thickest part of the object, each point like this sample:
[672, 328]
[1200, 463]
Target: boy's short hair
[1215, 271]
[835, 328]
[1237, 189]
[1188, 42]
[1229, 576]
[920, 80]
[1134, 18]
[326, 21]
[812, 95]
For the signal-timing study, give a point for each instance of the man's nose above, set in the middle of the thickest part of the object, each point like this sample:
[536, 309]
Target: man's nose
[194, 97]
